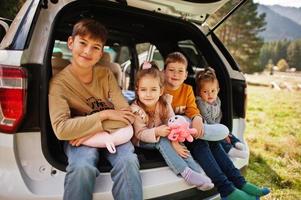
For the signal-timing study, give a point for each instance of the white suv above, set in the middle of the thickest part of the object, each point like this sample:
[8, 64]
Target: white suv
[32, 162]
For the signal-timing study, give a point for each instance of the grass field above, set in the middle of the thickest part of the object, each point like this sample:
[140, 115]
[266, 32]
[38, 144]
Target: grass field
[274, 136]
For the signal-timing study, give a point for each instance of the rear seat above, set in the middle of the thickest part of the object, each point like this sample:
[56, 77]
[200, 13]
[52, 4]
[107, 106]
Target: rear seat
[58, 62]
[106, 61]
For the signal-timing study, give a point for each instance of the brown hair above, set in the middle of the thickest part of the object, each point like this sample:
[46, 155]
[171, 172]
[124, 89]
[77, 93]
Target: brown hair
[175, 57]
[206, 75]
[92, 28]
[154, 72]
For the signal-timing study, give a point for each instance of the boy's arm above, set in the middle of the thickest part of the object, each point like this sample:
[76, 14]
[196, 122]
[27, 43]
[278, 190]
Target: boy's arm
[191, 107]
[197, 123]
[194, 114]
[123, 117]
[170, 111]
[65, 127]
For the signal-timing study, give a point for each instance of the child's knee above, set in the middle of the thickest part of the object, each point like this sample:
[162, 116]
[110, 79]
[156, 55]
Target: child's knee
[82, 169]
[130, 161]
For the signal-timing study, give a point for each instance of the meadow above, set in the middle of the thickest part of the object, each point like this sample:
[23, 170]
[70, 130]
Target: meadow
[274, 136]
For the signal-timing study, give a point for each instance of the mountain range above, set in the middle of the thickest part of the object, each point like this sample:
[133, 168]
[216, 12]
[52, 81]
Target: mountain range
[282, 22]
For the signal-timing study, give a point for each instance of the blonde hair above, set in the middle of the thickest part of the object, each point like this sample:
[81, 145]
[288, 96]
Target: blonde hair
[206, 75]
[175, 57]
[154, 72]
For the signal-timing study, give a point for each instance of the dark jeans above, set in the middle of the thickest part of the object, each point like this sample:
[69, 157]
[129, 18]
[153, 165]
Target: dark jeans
[217, 165]
[226, 145]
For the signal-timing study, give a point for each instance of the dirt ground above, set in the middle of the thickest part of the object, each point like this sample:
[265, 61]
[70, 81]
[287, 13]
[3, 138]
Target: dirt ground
[279, 80]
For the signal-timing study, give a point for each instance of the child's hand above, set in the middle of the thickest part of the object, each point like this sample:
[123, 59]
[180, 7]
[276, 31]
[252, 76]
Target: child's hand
[162, 130]
[78, 141]
[132, 115]
[197, 123]
[168, 98]
[180, 149]
[124, 115]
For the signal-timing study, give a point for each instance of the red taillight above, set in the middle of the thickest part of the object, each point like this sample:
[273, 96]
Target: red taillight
[13, 90]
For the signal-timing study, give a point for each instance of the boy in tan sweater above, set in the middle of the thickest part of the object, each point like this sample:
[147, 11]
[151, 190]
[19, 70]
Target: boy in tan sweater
[84, 101]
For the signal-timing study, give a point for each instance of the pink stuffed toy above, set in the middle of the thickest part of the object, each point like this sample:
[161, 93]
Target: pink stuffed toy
[180, 130]
[110, 140]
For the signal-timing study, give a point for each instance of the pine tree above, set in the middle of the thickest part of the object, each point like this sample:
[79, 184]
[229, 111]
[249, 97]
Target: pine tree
[294, 54]
[265, 54]
[279, 50]
[240, 35]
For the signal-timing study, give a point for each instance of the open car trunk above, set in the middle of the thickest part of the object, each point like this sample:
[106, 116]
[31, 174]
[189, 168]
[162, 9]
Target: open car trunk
[127, 28]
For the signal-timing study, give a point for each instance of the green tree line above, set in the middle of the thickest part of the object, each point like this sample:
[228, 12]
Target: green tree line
[278, 52]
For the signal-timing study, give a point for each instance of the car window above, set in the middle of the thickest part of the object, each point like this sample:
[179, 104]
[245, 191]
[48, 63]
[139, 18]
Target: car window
[61, 47]
[196, 60]
[60, 57]
[143, 51]
[120, 53]
[149, 52]
[158, 58]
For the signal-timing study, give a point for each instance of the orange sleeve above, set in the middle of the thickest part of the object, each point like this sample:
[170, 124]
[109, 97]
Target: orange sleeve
[191, 107]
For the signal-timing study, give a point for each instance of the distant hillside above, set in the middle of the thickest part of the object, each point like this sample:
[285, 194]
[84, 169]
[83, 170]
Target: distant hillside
[292, 13]
[278, 26]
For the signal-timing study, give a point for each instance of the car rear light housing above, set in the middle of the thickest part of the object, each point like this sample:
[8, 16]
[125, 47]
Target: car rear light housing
[13, 94]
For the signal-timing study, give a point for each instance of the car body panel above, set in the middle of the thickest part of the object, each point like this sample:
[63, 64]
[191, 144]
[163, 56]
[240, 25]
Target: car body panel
[10, 57]
[191, 10]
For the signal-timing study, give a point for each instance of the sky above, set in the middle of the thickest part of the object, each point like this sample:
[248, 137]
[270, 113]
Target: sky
[288, 3]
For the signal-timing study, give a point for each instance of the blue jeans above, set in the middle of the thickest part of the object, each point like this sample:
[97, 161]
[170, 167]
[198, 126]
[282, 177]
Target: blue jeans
[217, 165]
[82, 172]
[176, 163]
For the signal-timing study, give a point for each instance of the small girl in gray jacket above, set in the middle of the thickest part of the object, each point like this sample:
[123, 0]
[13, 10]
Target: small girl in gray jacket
[209, 105]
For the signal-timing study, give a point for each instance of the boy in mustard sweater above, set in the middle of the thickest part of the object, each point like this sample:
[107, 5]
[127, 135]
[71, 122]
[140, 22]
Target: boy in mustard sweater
[83, 101]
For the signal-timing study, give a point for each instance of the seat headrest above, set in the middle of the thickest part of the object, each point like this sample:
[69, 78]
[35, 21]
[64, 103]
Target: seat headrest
[57, 54]
[105, 59]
